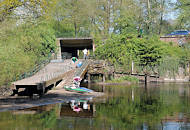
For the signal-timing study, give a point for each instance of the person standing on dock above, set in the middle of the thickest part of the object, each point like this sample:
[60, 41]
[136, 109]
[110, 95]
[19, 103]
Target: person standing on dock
[85, 51]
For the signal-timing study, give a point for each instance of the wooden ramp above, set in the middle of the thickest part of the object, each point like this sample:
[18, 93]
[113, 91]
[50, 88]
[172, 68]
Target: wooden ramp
[77, 72]
[50, 76]
[80, 72]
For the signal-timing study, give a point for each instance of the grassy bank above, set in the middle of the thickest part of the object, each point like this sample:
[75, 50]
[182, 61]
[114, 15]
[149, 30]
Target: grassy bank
[124, 79]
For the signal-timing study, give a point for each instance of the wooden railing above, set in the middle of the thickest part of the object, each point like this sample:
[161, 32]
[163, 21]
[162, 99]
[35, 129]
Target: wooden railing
[79, 72]
[36, 68]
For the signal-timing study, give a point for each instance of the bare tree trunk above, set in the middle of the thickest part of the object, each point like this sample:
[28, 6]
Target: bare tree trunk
[121, 1]
[181, 21]
[149, 17]
[161, 15]
[161, 22]
[107, 16]
[75, 26]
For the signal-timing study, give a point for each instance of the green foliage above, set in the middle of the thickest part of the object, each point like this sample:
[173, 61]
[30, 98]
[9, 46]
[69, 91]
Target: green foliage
[123, 49]
[63, 29]
[124, 78]
[149, 54]
[71, 18]
[174, 57]
[119, 22]
[7, 6]
[115, 50]
[125, 25]
[130, 78]
[34, 8]
[21, 47]
[148, 51]
[42, 120]
[183, 21]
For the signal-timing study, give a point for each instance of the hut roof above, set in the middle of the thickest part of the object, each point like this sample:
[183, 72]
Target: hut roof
[77, 42]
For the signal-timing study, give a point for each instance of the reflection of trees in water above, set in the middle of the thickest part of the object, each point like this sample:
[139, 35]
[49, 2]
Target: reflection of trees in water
[148, 106]
[46, 119]
[125, 108]
[43, 117]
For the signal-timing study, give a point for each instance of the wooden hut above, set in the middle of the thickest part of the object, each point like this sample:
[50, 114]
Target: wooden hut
[70, 47]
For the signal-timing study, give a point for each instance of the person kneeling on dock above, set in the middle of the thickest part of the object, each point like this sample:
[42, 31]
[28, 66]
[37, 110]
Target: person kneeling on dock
[74, 59]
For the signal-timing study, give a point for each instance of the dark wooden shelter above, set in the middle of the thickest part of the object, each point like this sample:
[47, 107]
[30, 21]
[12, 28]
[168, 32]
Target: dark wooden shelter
[69, 47]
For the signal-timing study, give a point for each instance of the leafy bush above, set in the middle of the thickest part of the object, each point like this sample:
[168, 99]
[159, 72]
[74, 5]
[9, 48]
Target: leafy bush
[23, 46]
[149, 54]
[130, 78]
[124, 78]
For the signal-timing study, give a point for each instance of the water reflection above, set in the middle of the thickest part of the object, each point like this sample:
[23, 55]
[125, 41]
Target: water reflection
[79, 105]
[146, 108]
[72, 108]
[162, 107]
[78, 108]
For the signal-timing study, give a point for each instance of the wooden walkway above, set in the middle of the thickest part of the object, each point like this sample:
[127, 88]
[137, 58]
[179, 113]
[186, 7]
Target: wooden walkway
[50, 76]
[77, 72]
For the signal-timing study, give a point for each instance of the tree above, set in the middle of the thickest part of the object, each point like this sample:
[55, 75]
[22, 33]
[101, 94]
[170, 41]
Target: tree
[7, 7]
[183, 7]
[33, 8]
[122, 49]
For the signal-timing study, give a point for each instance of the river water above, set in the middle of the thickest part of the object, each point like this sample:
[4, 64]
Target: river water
[155, 107]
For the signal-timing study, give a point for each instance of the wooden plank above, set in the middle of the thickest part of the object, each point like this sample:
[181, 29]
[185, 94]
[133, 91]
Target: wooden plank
[84, 72]
[49, 74]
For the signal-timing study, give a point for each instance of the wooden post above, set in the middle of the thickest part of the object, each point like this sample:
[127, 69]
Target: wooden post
[58, 110]
[89, 79]
[41, 88]
[78, 53]
[132, 67]
[103, 77]
[93, 47]
[59, 57]
[113, 75]
[132, 95]
[94, 110]
[89, 86]
[103, 88]
[146, 79]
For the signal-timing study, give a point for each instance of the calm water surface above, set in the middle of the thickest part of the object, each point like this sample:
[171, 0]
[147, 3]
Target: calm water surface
[156, 107]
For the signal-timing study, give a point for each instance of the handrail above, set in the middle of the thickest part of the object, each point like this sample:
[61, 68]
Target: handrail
[81, 69]
[35, 69]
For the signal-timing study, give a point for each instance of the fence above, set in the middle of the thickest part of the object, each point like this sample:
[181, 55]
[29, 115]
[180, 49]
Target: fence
[36, 68]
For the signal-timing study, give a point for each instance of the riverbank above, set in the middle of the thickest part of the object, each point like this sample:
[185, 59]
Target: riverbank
[115, 83]
[124, 80]
[8, 103]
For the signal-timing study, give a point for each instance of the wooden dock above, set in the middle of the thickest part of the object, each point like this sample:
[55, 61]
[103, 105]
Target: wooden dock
[77, 72]
[48, 77]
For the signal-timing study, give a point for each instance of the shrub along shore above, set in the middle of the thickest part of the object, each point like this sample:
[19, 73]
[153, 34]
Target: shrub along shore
[22, 47]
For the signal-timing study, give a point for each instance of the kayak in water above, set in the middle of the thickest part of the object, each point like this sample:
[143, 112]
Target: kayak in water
[89, 90]
[74, 89]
